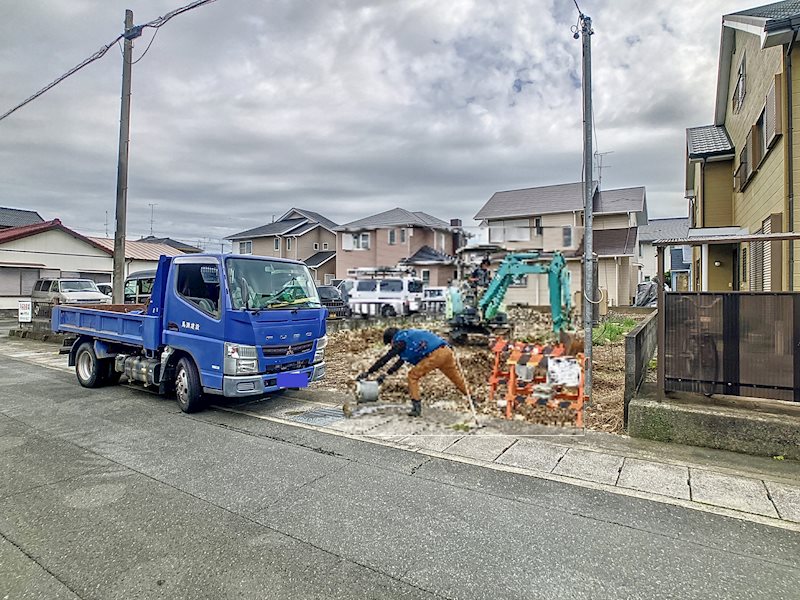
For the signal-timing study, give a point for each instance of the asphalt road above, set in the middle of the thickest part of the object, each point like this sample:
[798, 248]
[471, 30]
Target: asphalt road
[114, 493]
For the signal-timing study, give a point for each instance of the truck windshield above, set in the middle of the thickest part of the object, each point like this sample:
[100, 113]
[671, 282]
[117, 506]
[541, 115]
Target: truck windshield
[78, 285]
[256, 284]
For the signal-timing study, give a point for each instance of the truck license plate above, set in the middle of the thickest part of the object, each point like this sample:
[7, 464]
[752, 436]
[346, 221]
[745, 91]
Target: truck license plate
[290, 380]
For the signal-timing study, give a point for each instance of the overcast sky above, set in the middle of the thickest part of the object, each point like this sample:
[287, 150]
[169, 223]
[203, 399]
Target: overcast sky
[245, 108]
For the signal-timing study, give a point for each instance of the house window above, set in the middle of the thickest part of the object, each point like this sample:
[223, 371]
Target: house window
[277, 245]
[316, 246]
[759, 140]
[515, 230]
[246, 247]
[742, 173]
[744, 264]
[288, 243]
[402, 236]
[392, 237]
[440, 244]
[426, 276]
[361, 241]
[566, 233]
[537, 223]
[324, 245]
[740, 90]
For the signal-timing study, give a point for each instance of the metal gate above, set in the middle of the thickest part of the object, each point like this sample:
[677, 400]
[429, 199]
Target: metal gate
[737, 343]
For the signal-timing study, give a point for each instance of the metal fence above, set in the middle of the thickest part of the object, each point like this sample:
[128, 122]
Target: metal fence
[736, 343]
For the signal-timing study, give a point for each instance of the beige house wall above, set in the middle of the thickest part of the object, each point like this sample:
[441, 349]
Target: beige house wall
[716, 195]
[302, 247]
[537, 292]
[611, 221]
[552, 234]
[320, 236]
[383, 254]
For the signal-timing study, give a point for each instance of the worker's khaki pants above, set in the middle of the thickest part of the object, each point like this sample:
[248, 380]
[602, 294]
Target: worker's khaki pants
[442, 359]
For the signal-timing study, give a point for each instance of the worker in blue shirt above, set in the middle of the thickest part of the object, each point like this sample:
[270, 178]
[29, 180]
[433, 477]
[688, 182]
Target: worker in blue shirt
[424, 350]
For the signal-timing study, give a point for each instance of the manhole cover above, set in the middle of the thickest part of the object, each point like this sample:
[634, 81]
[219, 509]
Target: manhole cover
[320, 416]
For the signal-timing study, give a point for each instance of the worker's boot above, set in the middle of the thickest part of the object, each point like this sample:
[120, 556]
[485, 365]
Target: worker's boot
[416, 409]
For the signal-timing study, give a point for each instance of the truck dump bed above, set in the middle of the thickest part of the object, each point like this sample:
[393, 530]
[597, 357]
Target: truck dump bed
[110, 324]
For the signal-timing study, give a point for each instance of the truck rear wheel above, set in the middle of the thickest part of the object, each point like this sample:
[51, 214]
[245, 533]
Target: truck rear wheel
[188, 391]
[87, 367]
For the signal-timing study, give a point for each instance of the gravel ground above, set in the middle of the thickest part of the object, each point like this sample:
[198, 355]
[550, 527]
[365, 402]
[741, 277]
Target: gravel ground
[351, 352]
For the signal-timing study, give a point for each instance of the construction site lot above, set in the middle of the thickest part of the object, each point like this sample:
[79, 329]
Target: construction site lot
[352, 351]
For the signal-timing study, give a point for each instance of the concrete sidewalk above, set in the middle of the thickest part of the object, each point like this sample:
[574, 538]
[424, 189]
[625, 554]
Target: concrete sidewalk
[752, 488]
[760, 489]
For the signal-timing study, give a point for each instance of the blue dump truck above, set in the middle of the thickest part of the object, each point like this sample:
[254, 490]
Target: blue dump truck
[225, 325]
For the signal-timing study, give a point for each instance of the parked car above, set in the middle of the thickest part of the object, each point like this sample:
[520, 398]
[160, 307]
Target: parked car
[138, 287]
[386, 297]
[105, 288]
[434, 300]
[68, 291]
[332, 299]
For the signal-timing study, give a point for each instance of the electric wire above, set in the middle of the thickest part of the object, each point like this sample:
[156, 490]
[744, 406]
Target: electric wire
[155, 24]
[96, 56]
[152, 39]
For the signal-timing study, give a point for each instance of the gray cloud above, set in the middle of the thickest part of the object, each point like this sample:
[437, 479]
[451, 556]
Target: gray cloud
[243, 109]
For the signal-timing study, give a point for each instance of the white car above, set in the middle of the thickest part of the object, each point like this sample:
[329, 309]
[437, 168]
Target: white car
[388, 297]
[68, 291]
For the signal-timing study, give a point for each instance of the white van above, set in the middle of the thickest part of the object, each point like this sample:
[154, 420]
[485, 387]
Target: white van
[388, 297]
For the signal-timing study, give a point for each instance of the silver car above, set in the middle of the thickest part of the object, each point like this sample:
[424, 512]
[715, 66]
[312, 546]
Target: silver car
[68, 291]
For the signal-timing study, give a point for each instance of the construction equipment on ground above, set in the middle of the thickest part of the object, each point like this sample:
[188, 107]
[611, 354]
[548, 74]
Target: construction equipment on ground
[540, 382]
[471, 312]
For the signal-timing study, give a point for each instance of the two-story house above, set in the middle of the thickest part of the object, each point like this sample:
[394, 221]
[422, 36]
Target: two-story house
[662, 229]
[398, 237]
[298, 234]
[550, 218]
[741, 171]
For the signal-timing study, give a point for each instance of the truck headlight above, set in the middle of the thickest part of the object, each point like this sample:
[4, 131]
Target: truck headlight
[240, 359]
[319, 356]
[322, 342]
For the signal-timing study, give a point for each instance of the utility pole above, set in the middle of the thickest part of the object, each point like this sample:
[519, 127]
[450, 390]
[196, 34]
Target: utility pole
[585, 26]
[122, 162]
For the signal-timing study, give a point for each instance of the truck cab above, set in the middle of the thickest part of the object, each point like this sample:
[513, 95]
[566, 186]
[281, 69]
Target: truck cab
[226, 325]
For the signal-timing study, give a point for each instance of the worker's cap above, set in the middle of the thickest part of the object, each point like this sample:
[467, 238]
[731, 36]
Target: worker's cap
[388, 334]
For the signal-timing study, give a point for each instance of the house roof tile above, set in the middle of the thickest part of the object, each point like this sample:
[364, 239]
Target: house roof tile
[320, 258]
[18, 217]
[775, 11]
[138, 250]
[276, 228]
[707, 141]
[396, 217]
[16, 233]
[565, 197]
[614, 242]
[657, 229]
[170, 242]
[315, 216]
[428, 255]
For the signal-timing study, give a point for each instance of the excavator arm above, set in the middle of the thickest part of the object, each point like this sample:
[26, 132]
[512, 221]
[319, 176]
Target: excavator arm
[513, 267]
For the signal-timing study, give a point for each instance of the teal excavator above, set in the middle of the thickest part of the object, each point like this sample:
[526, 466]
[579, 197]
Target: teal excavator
[472, 313]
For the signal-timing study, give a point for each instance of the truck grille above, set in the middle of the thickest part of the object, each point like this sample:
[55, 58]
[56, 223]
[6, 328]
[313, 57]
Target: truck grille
[292, 366]
[285, 350]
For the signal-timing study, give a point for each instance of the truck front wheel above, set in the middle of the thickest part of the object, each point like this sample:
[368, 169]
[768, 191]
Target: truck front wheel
[188, 391]
[87, 367]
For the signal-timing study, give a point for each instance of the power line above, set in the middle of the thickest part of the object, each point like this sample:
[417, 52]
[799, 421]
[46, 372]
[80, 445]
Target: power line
[152, 39]
[129, 34]
[97, 55]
